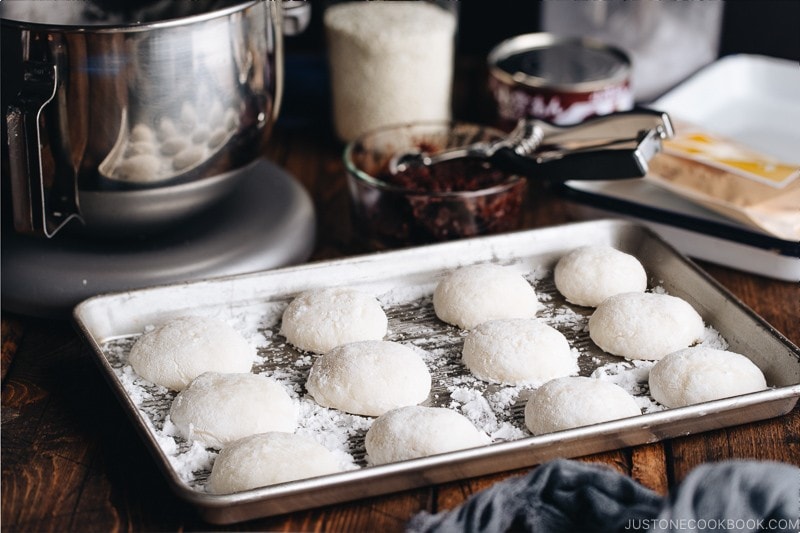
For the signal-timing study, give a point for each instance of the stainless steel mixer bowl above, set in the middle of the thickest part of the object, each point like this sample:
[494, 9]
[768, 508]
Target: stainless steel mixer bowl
[129, 126]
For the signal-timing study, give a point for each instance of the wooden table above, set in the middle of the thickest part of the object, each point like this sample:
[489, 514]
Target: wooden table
[72, 462]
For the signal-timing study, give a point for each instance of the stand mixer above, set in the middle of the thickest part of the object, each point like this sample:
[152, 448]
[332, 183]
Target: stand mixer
[132, 150]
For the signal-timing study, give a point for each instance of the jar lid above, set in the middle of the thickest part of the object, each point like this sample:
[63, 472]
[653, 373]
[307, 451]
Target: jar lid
[565, 64]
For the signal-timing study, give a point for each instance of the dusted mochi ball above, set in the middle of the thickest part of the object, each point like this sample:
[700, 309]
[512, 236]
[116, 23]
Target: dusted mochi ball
[175, 353]
[269, 458]
[217, 409]
[700, 374]
[638, 325]
[417, 431]
[590, 274]
[318, 320]
[369, 378]
[572, 402]
[518, 351]
[475, 294]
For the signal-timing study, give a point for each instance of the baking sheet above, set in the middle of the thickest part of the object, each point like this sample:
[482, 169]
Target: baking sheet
[404, 281]
[750, 99]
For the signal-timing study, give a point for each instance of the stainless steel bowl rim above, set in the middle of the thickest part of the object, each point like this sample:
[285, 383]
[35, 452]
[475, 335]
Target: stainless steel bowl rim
[132, 27]
[360, 175]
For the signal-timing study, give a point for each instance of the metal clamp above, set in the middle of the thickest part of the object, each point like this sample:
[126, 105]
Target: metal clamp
[615, 146]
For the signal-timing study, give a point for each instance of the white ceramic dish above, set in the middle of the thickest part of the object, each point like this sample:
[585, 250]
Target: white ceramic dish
[751, 99]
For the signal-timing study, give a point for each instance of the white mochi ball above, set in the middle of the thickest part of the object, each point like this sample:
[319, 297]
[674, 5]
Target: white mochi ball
[369, 378]
[318, 320]
[417, 431]
[638, 325]
[518, 351]
[571, 402]
[474, 294]
[269, 458]
[590, 274]
[142, 133]
[700, 374]
[139, 168]
[178, 351]
[217, 409]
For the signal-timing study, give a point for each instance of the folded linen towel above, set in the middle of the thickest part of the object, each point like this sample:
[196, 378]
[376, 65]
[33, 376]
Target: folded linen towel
[571, 496]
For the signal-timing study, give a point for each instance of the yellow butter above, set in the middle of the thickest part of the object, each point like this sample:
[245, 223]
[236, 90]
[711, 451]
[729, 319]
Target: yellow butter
[730, 156]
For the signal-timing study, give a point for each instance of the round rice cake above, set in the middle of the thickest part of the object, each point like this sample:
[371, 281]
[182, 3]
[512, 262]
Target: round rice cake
[267, 459]
[518, 351]
[418, 431]
[176, 352]
[318, 320]
[701, 374]
[369, 378]
[570, 402]
[475, 294]
[638, 325]
[217, 409]
[588, 275]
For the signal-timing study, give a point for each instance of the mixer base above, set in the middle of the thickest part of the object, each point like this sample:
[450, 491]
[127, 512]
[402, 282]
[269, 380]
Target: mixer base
[267, 222]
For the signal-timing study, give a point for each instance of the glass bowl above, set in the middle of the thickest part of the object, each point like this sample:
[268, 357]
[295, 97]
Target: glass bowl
[451, 200]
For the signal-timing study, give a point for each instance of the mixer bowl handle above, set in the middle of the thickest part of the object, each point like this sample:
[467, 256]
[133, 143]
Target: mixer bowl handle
[35, 212]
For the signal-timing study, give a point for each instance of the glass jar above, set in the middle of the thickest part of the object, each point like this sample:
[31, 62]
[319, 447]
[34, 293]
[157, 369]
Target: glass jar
[390, 63]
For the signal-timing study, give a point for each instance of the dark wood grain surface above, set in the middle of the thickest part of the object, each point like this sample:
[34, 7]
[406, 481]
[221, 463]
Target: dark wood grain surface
[72, 462]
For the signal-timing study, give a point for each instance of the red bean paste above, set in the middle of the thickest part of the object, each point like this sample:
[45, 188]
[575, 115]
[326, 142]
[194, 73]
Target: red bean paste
[414, 215]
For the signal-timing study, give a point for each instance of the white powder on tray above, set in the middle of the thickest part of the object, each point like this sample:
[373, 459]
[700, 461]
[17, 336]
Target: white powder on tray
[496, 409]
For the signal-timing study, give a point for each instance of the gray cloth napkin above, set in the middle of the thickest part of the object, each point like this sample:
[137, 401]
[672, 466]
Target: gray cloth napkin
[734, 496]
[571, 496]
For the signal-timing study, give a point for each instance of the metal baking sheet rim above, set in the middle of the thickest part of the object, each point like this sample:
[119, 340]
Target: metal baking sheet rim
[378, 480]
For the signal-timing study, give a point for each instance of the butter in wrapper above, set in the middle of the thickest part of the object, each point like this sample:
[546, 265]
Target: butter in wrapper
[728, 178]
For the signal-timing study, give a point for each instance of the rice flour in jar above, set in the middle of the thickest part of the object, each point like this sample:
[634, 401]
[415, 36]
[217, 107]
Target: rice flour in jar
[390, 62]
